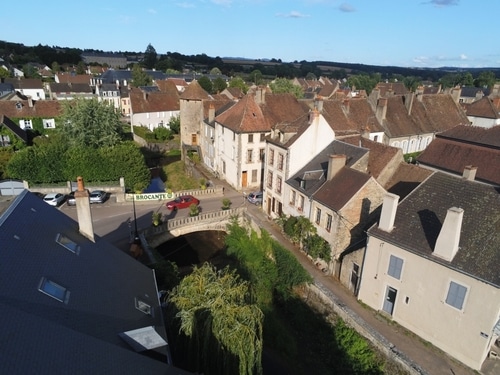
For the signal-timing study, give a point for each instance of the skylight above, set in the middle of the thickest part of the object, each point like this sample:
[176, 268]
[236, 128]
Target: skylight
[61, 239]
[143, 306]
[53, 290]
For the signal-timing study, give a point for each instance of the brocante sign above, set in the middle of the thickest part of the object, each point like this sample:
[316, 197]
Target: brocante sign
[149, 197]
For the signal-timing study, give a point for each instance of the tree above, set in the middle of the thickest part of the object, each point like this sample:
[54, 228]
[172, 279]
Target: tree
[256, 77]
[412, 83]
[218, 85]
[283, 86]
[238, 82]
[205, 83]
[224, 329]
[215, 71]
[175, 124]
[81, 68]
[30, 71]
[88, 122]
[150, 57]
[317, 247]
[4, 73]
[56, 68]
[140, 77]
[485, 79]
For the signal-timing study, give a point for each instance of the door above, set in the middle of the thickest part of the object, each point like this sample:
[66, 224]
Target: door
[268, 206]
[194, 140]
[354, 277]
[244, 180]
[390, 299]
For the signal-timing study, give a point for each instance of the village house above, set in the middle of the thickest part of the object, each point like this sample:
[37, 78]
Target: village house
[431, 265]
[484, 112]
[153, 108]
[29, 113]
[28, 87]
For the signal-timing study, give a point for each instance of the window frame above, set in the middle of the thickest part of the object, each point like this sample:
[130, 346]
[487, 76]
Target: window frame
[250, 138]
[329, 220]
[318, 215]
[395, 266]
[53, 290]
[452, 299]
[280, 161]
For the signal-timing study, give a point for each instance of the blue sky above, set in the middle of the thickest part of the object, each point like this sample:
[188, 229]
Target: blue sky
[409, 33]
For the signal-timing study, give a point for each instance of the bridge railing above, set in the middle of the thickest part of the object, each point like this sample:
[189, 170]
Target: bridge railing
[205, 217]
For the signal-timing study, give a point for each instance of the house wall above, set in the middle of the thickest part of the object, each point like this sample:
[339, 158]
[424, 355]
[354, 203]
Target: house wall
[412, 143]
[420, 303]
[36, 94]
[274, 194]
[228, 158]
[191, 119]
[154, 119]
[483, 122]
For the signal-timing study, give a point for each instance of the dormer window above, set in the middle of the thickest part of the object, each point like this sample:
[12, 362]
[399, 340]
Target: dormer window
[19, 105]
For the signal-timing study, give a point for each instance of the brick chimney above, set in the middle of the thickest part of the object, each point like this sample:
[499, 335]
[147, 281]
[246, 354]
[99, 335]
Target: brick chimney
[346, 106]
[388, 214]
[335, 164]
[469, 172]
[82, 198]
[456, 92]
[449, 237]
[381, 110]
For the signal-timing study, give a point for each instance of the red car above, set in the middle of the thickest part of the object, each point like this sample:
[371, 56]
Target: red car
[184, 201]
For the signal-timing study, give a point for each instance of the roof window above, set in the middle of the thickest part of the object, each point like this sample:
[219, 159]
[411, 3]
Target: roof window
[54, 290]
[64, 241]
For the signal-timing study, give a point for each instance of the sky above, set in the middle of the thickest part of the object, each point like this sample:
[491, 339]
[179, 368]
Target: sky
[405, 33]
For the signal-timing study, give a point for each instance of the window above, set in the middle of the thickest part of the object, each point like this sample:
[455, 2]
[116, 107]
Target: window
[250, 138]
[53, 290]
[61, 239]
[224, 167]
[301, 203]
[28, 124]
[278, 185]
[318, 215]
[143, 306]
[249, 156]
[328, 222]
[254, 175]
[395, 266]
[233, 152]
[456, 295]
[292, 198]
[271, 157]
[269, 179]
[280, 162]
[262, 137]
[261, 154]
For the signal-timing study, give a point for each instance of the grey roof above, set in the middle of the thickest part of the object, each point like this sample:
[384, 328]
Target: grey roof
[420, 216]
[120, 75]
[13, 127]
[314, 173]
[80, 336]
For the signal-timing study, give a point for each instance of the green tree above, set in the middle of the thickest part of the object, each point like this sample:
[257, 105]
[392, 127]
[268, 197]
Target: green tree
[412, 83]
[317, 247]
[162, 134]
[215, 71]
[364, 81]
[4, 73]
[56, 68]
[140, 77]
[175, 124]
[88, 122]
[485, 79]
[6, 154]
[150, 57]
[256, 77]
[30, 71]
[223, 328]
[238, 82]
[81, 68]
[219, 85]
[284, 86]
[205, 83]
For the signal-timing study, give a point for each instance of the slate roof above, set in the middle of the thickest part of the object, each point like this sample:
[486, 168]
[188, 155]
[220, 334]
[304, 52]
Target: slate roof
[432, 114]
[80, 336]
[22, 109]
[70, 88]
[25, 83]
[336, 192]
[462, 146]
[113, 76]
[314, 173]
[153, 101]
[13, 127]
[380, 154]
[421, 214]
[472, 92]
[483, 107]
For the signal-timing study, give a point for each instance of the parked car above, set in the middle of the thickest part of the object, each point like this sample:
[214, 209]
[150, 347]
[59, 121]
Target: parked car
[183, 201]
[255, 198]
[54, 199]
[70, 200]
[98, 196]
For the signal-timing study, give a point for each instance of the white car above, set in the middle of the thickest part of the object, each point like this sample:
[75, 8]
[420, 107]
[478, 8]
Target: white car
[54, 199]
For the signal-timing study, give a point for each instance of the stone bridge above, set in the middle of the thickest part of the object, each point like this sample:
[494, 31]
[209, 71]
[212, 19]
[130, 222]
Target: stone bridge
[215, 220]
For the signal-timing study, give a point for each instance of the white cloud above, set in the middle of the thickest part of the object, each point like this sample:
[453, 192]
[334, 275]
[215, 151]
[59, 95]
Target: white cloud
[292, 14]
[185, 5]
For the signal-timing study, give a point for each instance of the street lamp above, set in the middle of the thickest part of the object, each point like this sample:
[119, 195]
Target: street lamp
[136, 233]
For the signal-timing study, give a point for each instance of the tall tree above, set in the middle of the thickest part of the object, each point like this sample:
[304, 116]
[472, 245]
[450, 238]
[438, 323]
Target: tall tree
[256, 76]
[150, 57]
[81, 68]
[88, 122]
[219, 85]
[238, 82]
[4, 73]
[205, 83]
[485, 79]
[140, 77]
[225, 330]
[284, 85]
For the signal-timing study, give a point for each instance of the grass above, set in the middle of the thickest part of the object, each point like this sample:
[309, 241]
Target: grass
[177, 179]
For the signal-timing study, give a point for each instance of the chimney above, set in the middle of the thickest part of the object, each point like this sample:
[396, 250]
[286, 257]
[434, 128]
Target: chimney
[419, 93]
[260, 96]
[381, 110]
[319, 104]
[388, 214]
[335, 164]
[408, 100]
[82, 198]
[145, 95]
[469, 172]
[211, 113]
[30, 101]
[456, 92]
[345, 104]
[449, 237]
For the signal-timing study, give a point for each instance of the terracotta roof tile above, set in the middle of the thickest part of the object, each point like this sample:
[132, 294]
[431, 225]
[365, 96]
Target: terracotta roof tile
[194, 92]
[168, 86]
[482, 108]
[142, 102]
[22, 109]
[74, 78]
